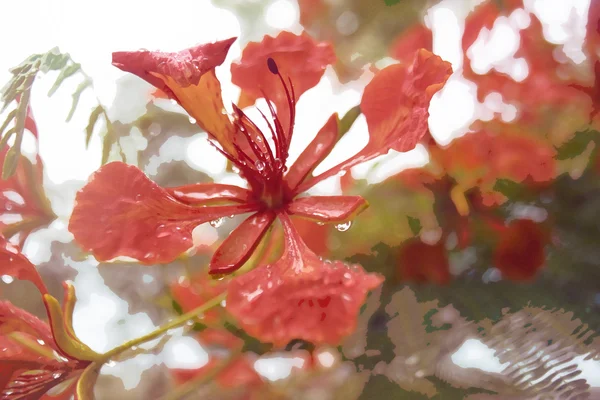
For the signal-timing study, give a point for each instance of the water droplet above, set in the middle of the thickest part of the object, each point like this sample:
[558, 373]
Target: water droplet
[235, 169]
[56, 375]
[223, 111]
[216, 223]
[190, 322]
[343, 227]
[8, 207]
[192, 120]
[347, 275]
[223, 303]
[110, 364]
[40, 341]
[258, 139]
[173, 101]
[133, 348]
[320, 223]
[260, 166]
[7, 279]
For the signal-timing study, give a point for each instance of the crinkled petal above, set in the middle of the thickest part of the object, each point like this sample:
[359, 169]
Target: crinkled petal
[395, 104]
[13, 263]
[188, 77]
[237, 248]
[121, 212]
[314, 153]
[328, 209]
[300, 296]
[210, 193]
[298, 57]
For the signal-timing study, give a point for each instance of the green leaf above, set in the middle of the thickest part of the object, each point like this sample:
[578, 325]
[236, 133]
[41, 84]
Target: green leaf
[348, 120]
[177, 307]
[415, 225]
[64, 74]
[577, 144]
[89, 129]
[76, 95]
[391, 2]
[510, 189]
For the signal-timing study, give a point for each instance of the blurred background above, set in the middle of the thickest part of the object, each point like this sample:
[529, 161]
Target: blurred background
[487, 236]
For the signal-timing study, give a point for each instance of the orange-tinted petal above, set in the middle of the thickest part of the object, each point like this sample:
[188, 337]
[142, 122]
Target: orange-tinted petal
[314, 153]
[237, 248]
[209, 193]
[13, 263]
[14, 319]
[298, 57]
[121, 212]
[194, 292]
[187, 76]
[520, 252]
[328, 209]
[300, 296]
[395, 104]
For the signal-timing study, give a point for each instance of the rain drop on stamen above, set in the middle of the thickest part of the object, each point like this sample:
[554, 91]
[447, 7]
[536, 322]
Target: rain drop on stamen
[343, 227]
[216, 222]
[260, 166]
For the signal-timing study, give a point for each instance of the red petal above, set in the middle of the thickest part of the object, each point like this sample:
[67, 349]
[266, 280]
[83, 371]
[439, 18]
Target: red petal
[14, 319]
[411, 40]
[300, 296]
[240, 244]
[209, 193]
[520, 251]
[328, 209]
[187, 76]
[14, 263]
[421, 262]
[23, 194]
[314, 153]
[395, 104]
[120, 212]
[298, 57]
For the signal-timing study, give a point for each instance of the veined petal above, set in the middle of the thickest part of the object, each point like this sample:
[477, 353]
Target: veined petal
[300, 296]
[241, 243]
[14, 319]
[188, 77]
[314, 153]
[395, 104]
[298, 57]
[328, 209]
[13, 263]
[209, 193]
[121, 212]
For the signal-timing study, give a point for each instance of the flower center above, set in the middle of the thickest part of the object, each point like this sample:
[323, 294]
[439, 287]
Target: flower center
[260, 161]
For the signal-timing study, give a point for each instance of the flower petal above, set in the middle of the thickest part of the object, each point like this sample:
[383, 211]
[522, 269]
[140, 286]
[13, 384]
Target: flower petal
[314, 153]
[411, 40]
[298, 57]
[395, 104]
[328, 209]
[121, 212]
[209, 193]
[188, 77]
[13, 263]
[300, 296]
[14, 319]
[241, 243]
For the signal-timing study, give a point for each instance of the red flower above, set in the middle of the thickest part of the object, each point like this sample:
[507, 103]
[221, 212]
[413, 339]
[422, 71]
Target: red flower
[37, 356]
[478, 159]
[412, 39]
[300, 296]
[22, 195]
[421, 262]
[519, 253]
[192, 293]
[142, 220]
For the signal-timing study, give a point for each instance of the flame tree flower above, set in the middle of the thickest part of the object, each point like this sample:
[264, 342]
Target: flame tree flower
[142, 220]
[37, 357]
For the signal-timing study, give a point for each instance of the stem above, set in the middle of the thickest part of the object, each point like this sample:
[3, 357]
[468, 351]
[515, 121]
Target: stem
[175, 323]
